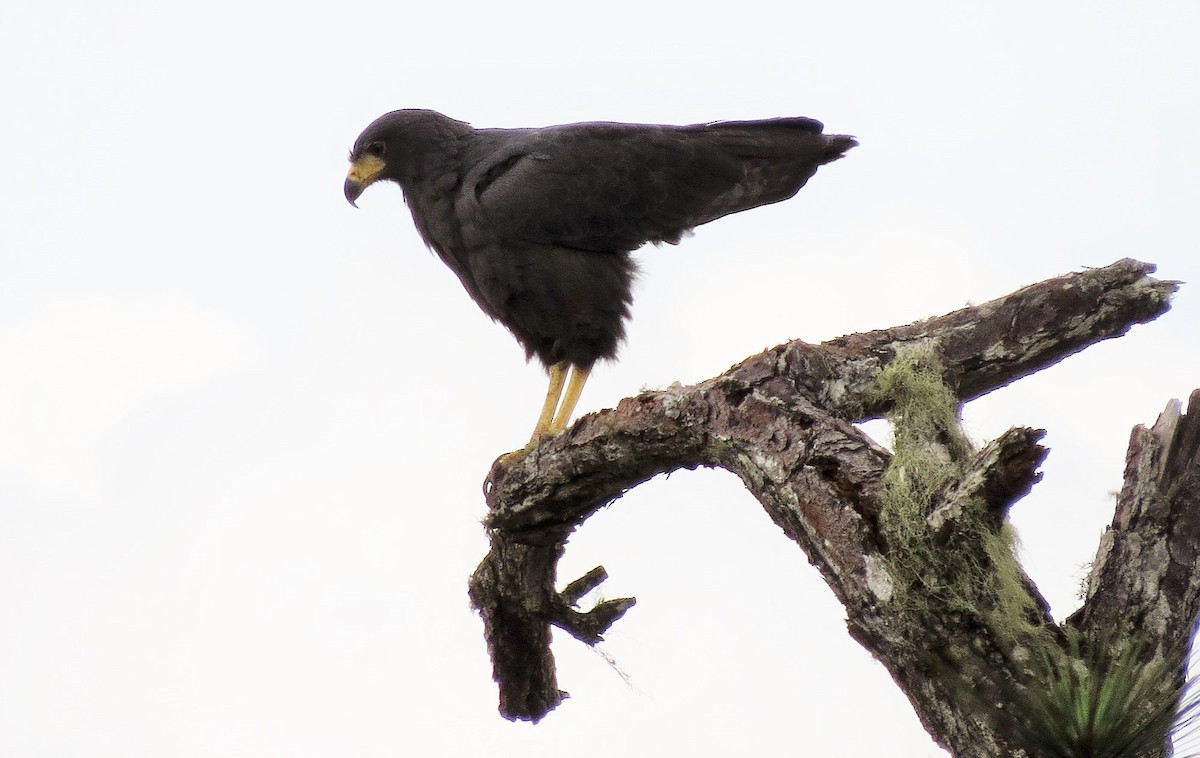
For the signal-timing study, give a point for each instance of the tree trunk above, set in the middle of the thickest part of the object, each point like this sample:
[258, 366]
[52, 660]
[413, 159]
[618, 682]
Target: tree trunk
[783, 422]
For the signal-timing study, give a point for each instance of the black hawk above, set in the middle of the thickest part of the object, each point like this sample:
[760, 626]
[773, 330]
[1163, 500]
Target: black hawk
[539, 224]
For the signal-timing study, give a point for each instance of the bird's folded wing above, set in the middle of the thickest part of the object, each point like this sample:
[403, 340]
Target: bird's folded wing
[608, 187]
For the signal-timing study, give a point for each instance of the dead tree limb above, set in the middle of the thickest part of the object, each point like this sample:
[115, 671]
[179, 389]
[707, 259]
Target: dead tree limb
[783, 422]
[1145, 573]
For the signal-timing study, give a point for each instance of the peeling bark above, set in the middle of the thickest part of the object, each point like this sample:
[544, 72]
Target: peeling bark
[1145, 575]
[783, 422]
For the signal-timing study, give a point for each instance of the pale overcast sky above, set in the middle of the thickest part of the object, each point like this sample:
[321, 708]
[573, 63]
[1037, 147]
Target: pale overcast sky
[243, 426]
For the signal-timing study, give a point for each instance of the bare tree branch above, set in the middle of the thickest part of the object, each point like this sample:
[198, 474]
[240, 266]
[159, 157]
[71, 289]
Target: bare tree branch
[782, 421]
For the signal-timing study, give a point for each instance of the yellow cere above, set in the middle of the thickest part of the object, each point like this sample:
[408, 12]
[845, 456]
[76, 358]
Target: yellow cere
[365, 169]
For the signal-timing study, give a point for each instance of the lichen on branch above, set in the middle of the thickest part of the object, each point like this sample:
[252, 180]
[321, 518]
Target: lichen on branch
[965, 564]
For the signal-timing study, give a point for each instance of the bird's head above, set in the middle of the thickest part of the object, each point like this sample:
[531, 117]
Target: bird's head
[368, 163]
[397, 146]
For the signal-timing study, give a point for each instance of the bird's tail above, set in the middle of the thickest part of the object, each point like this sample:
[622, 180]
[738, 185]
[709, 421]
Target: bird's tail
[776, 157]
[836, 146]
[797, 139]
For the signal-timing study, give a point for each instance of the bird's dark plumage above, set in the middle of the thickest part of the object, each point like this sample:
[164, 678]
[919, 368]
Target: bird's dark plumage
[538, 224]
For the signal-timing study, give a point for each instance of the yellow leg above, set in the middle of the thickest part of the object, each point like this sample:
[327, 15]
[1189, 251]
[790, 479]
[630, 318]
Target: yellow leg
[579, 377]
[550, 422]
[558, 376]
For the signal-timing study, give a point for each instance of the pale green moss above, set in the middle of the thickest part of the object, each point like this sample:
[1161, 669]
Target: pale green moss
[971, 568]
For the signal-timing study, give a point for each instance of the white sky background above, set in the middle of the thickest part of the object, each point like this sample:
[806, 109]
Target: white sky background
[243, 426]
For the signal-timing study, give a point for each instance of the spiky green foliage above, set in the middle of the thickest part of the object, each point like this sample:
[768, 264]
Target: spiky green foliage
[1104, 700]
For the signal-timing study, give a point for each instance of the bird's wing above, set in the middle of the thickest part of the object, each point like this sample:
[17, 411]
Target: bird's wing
[617, 186]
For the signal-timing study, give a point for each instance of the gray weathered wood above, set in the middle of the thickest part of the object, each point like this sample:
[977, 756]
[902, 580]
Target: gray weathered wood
[783, 422]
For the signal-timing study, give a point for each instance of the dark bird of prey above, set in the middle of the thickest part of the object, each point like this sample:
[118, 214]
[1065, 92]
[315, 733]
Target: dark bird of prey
[539, 224]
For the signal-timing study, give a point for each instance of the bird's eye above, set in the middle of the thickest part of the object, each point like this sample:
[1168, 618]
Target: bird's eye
[376, 149]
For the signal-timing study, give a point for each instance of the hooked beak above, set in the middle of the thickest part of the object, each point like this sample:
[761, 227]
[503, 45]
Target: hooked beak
[363, 171]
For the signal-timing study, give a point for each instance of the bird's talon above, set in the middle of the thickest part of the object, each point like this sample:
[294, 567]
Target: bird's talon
[509, 459]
